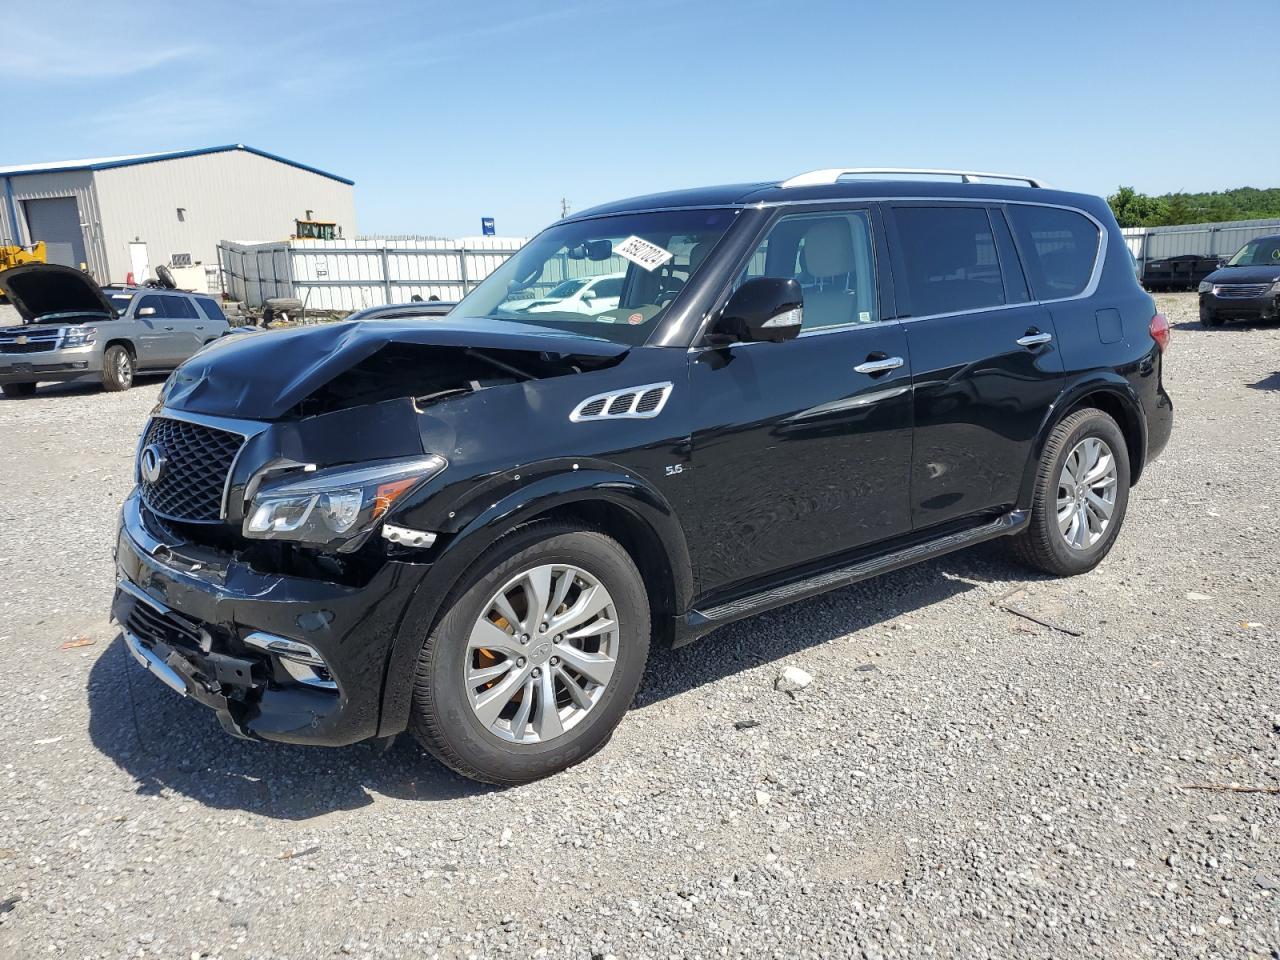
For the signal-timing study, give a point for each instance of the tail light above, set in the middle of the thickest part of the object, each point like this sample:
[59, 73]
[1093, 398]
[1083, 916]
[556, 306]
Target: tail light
[1160, 331]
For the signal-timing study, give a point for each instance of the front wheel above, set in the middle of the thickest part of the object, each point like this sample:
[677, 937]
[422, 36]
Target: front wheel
[537, 657]
[117, 369]
[1080, 498]
[18, 389]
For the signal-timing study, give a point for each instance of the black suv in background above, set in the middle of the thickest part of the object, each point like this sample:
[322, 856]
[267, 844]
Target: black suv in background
[1247, 287]
[474, 526]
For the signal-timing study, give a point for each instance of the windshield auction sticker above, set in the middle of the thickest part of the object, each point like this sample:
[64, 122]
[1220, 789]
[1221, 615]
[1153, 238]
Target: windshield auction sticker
[642, 253]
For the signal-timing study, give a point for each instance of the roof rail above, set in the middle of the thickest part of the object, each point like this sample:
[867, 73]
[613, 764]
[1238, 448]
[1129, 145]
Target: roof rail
[830, 175]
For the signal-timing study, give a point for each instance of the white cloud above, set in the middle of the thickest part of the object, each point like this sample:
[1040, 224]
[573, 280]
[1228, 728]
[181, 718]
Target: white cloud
[56, 53]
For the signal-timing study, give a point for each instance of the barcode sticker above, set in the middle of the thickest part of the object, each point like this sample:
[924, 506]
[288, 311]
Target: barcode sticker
[646, 255]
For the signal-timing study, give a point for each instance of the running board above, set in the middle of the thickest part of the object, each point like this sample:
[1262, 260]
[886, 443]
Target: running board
[843, 576]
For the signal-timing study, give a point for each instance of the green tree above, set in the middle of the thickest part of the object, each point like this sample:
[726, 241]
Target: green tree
[1133, 209]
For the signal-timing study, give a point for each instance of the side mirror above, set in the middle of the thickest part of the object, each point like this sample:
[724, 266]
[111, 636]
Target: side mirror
[146, 312]
[588, 295]
[766, 308]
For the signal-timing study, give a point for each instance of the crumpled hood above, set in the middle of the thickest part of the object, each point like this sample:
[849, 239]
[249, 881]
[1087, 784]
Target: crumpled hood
[1264, 274]
[262, 377]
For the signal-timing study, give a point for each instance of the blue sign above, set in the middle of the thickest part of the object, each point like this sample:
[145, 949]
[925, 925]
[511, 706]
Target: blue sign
[486, 226]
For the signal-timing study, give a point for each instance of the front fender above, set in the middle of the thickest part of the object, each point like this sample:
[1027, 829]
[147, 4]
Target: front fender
[1112, 384]
[496, 506]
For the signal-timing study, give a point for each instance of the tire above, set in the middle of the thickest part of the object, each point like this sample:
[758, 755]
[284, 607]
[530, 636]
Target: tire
[16, 390]
[117, 369]
[1044, 544]
[442, 716]
[1208, 320]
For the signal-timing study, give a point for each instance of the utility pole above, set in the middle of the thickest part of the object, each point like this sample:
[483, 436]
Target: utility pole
[564, 207]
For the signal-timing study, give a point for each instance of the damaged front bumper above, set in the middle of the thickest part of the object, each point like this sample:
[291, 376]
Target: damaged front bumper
[277, 657]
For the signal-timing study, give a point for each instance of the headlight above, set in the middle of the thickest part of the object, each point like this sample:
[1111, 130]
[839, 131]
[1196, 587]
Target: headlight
[335, 506]
[80, 336]
[1205, 286]
[1275, 289]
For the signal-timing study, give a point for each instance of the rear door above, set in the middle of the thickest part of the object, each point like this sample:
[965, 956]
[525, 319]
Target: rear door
[188, 326]
[986, 367]
[802, 449]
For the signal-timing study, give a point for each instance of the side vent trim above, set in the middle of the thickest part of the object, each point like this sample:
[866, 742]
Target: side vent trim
[629, 403]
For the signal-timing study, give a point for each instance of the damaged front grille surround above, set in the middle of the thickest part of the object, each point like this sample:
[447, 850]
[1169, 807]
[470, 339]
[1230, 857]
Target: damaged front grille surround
[185, 466]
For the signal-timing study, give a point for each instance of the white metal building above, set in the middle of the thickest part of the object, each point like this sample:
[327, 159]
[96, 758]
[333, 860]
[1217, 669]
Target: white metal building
[180, 205]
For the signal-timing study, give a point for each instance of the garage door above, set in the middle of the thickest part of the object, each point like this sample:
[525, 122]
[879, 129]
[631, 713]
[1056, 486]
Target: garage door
[57, 223]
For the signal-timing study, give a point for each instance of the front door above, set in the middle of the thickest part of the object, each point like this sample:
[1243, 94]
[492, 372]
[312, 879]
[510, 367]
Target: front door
[985, 365]
[802, 449]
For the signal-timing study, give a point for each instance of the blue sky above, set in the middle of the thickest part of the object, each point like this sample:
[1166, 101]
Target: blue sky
[446, 112]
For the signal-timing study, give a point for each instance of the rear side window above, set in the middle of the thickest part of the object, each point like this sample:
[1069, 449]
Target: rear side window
[949, 259]
[1059, 248]
[181, 308]
[211, 309]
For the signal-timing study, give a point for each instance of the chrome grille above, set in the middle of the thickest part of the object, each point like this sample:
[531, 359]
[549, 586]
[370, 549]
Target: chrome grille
[197, 469]
[1241, 290]
[30, 343]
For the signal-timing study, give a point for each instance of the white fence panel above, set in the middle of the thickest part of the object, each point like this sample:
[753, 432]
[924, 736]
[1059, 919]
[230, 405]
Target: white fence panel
[344, 275]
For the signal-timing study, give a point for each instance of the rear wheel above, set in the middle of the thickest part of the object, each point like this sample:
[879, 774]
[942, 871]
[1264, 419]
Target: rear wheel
[536, 659]
[1080, 498]
[18, 389]
[117, 369]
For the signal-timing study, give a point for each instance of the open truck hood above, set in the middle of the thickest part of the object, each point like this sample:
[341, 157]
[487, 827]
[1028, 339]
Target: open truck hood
[39, 290]
[263, 377]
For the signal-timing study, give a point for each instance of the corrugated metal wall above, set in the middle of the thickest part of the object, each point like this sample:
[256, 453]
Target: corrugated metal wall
[77, 184]
[1198, 239]
[343, 275]
[230, 194]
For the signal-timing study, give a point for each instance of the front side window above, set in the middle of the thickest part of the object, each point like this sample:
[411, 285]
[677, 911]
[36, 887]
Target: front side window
[949, 259]
[1060, 247]
[830, 254]
[155, 302]
[641, 262]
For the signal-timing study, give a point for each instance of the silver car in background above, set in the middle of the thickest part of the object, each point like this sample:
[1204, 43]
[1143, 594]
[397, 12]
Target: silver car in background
[72, 329]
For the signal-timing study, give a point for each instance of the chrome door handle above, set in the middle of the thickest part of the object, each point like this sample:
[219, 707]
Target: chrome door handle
[1034, 339]
[879, 366]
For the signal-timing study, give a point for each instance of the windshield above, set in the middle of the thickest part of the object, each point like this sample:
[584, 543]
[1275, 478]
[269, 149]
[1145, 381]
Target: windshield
[641, 262]
[1263, 252]
[120, 301]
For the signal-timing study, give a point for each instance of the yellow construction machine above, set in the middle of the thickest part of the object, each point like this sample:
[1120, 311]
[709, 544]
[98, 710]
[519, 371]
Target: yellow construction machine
[13, 255]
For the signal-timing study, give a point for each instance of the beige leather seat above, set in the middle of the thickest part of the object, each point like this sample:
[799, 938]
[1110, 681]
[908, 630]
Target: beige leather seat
[826, 255]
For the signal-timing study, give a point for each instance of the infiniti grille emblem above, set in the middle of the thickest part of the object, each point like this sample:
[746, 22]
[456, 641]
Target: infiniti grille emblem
[152, 462]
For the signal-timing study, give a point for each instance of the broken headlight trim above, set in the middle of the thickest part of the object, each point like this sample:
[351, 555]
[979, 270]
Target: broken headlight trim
[337, 505]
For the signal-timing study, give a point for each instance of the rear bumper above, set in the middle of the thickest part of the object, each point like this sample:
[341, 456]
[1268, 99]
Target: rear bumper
[187, 624]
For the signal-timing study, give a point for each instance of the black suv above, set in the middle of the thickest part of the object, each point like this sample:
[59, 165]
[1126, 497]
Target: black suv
[1246, 287]
[474, 526]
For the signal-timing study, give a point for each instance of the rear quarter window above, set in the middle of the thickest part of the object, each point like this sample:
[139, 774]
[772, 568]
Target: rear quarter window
[211, 309]
[1059, 249]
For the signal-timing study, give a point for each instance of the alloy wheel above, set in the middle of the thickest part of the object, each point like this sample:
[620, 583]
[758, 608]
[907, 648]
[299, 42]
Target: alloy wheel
[541, 654]
[1087, 490]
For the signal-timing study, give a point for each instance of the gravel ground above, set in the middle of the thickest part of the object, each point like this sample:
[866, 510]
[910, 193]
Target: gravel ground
[957, 781]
